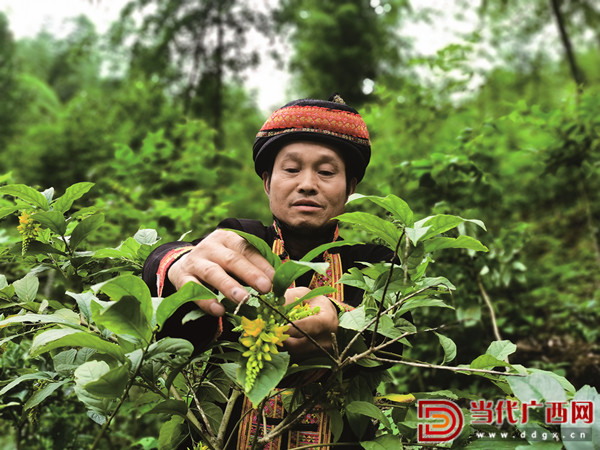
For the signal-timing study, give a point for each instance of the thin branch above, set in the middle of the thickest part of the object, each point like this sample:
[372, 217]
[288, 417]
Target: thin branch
[488, 302]
[191, 417]
[357, 335]
[450, 368]
[197, 402]
[385, 288]
[123, 396]
[227, 416]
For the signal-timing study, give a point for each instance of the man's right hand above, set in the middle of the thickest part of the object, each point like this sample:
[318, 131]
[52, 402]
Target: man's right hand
[217, 261]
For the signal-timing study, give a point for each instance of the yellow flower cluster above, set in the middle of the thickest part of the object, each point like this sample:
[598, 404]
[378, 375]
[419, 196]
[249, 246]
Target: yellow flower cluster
[261, 337]
[28, 228]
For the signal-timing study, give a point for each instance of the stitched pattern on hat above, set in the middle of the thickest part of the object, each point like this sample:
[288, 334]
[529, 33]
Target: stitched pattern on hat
[338, 123]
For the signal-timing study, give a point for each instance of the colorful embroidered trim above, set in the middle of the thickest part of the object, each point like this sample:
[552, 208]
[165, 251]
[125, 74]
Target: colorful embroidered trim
[342, 124]
[165, 263]
[331, 277]
[313, 429]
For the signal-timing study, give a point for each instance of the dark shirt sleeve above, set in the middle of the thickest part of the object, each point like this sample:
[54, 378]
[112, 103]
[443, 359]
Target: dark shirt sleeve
[202, 331]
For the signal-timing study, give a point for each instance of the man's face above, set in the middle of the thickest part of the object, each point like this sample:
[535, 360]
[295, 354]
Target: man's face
[308, 185]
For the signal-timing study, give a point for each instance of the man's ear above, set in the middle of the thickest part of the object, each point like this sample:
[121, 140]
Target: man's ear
[266, 176]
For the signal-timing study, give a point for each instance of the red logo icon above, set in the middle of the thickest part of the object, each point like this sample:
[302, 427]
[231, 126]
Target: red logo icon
[448, 417]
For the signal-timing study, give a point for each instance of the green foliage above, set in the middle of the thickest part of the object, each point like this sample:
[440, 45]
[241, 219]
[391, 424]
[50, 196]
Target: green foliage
[98, 345]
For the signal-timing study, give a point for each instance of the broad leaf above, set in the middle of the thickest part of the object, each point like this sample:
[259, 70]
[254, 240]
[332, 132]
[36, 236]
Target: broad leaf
[411, 304]
[27, 194]
[268, 378]
[462, 241]
[263, 248]
[125, 317]
[84, 228]
[146, 237]
[41, 395]
[72, 193]
[369, 410]
[52, 220]
[501, 349]
[189, 292]
[62, 317]
[322, 248]
[538, 386]
[26, 377]
[130, 285]
[287, 273]
[441, 223]
[56, 338]
[354, 320]
[385, 442]
[170, 406]
[449, 347]
[7, 211]
[393, 204]
[110, 384]
[26, 288]
[379, 227]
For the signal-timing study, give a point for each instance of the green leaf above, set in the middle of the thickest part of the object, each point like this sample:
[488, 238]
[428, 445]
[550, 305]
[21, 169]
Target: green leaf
[268, 378]
[7, 211]
[146, 237]
[369, 410]
[84, 228]
[462, 241]
[72, 193]
[393, 204]
[501, 349]
[213, 413]
[125, 317]
[170, 407]
[130, 286]
[189, 292]
[354, 320]
[322, 248]
[170, 351]
[385, 442]
[415, 234]
[263, 248]
[415, 303]
[488, 362]
[27, 194]
[62, 317]
[26, 377]
[172, 433]
[449, 347]
[53, 220]
[379, 227]
[3, 282]
[41, 395]
[26, 288]
[110, 384]
[84, 302]
[537, 386]
[287, 273]
[441, 223]
[56, 338]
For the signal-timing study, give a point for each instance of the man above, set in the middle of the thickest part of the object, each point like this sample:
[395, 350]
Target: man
[310, 154]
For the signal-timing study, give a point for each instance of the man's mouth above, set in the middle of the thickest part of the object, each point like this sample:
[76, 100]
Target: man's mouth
[306, 205]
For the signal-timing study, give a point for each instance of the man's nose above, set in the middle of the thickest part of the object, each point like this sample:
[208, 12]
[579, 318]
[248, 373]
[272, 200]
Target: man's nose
[307, 181]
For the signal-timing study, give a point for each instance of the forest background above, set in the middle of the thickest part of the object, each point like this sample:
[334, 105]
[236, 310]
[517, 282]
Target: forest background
[501, 126]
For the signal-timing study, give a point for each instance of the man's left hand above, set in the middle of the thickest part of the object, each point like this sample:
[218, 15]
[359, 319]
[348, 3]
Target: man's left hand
[319, 326]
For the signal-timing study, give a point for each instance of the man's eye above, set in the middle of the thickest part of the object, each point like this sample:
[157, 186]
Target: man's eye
[326, 173]
[290, 170]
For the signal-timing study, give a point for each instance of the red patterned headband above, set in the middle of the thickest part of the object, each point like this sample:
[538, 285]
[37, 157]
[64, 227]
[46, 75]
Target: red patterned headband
[334, 122]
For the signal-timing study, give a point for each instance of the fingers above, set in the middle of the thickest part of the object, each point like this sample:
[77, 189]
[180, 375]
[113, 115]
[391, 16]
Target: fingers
[219, 261]
[319, 327]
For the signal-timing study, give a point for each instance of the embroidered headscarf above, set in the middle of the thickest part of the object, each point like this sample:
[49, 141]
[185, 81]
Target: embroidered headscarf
[329, 122]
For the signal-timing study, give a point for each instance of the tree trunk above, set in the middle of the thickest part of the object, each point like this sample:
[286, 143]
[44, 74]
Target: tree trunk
[568, 48]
